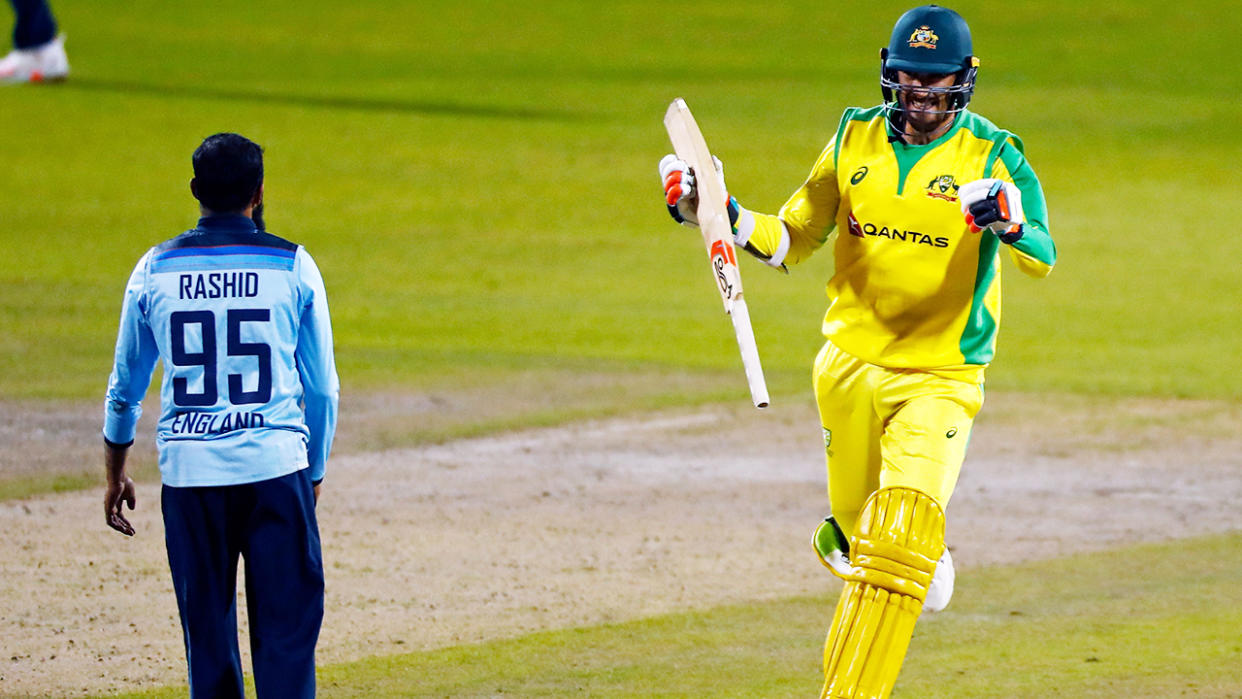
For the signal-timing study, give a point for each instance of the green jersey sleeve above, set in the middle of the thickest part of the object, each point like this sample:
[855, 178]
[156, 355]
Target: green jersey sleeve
[1034, 253]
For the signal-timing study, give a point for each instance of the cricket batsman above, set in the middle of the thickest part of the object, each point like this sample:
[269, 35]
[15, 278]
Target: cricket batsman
[923, 196]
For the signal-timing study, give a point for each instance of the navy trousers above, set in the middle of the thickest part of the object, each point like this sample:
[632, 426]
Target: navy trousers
[34, 26]
[271, 525]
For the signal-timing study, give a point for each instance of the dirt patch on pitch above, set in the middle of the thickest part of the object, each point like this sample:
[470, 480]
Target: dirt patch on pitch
[599, 521]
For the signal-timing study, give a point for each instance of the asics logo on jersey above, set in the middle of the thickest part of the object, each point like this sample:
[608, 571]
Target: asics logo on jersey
[864, 230]
[858, 175]
[943, 187]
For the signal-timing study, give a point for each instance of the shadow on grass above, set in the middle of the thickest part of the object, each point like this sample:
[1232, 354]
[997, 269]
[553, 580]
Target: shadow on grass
[366, 104]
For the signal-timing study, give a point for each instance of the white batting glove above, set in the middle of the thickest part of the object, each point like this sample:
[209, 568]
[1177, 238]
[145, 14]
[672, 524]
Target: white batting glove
[680, 192]
[995, 205]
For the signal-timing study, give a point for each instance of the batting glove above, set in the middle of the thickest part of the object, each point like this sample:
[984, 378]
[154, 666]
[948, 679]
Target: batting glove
[995, 205]
[681, 194]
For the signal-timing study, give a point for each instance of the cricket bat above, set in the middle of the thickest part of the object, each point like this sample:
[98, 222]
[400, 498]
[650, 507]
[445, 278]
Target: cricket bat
[713, 215]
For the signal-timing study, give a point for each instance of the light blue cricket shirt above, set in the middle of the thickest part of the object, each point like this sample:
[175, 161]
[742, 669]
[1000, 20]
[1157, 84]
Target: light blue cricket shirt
[239, 318]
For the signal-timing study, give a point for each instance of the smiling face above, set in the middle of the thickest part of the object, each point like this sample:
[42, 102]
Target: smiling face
[925, 104]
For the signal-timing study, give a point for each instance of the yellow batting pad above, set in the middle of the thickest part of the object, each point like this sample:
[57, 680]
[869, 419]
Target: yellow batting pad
[900, 537]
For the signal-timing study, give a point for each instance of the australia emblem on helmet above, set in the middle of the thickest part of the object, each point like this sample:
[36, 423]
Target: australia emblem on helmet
[923, 38]
[943, 187]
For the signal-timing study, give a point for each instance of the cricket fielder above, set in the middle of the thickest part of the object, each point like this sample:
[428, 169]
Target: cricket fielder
[923, 196]
[240, 321]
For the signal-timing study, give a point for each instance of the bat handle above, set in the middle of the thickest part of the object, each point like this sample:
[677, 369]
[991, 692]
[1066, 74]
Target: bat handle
[750, 353]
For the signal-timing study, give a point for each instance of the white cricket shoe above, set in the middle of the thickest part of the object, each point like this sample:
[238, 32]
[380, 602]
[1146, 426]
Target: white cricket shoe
[38, 64]
[941, 589]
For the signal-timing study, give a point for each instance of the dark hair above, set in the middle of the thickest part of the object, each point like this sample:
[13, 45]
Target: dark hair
[228, 170]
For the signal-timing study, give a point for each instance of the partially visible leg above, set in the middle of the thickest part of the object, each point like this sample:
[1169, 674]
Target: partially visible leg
[284, 586]
[203, 561]
[900, 535]
[899, 538]
[924, 444]
[38, 54]
[844, 393]
[35, 25]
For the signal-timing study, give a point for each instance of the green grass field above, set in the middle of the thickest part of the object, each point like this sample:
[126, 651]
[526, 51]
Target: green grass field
[1073, 628]
[1072, 624]
[477, 182]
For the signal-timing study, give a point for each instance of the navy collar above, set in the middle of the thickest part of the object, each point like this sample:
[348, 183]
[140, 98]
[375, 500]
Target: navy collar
[226, 222]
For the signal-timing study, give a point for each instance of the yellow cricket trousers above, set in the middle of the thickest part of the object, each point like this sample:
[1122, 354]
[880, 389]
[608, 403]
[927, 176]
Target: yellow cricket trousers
[889, 427]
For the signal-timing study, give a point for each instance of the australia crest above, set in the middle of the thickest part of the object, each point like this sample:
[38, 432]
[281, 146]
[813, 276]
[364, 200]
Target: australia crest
[943, 187]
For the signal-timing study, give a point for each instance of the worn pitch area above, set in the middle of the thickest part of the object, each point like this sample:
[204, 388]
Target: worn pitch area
[595, 522]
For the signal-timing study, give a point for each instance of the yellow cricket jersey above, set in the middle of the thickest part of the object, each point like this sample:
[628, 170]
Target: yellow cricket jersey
[913, 286]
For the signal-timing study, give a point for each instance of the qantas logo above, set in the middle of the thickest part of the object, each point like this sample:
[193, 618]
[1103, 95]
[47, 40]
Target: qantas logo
[864, 230]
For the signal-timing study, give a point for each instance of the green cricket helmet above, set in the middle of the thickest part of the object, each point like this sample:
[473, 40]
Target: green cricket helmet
[929, 40]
